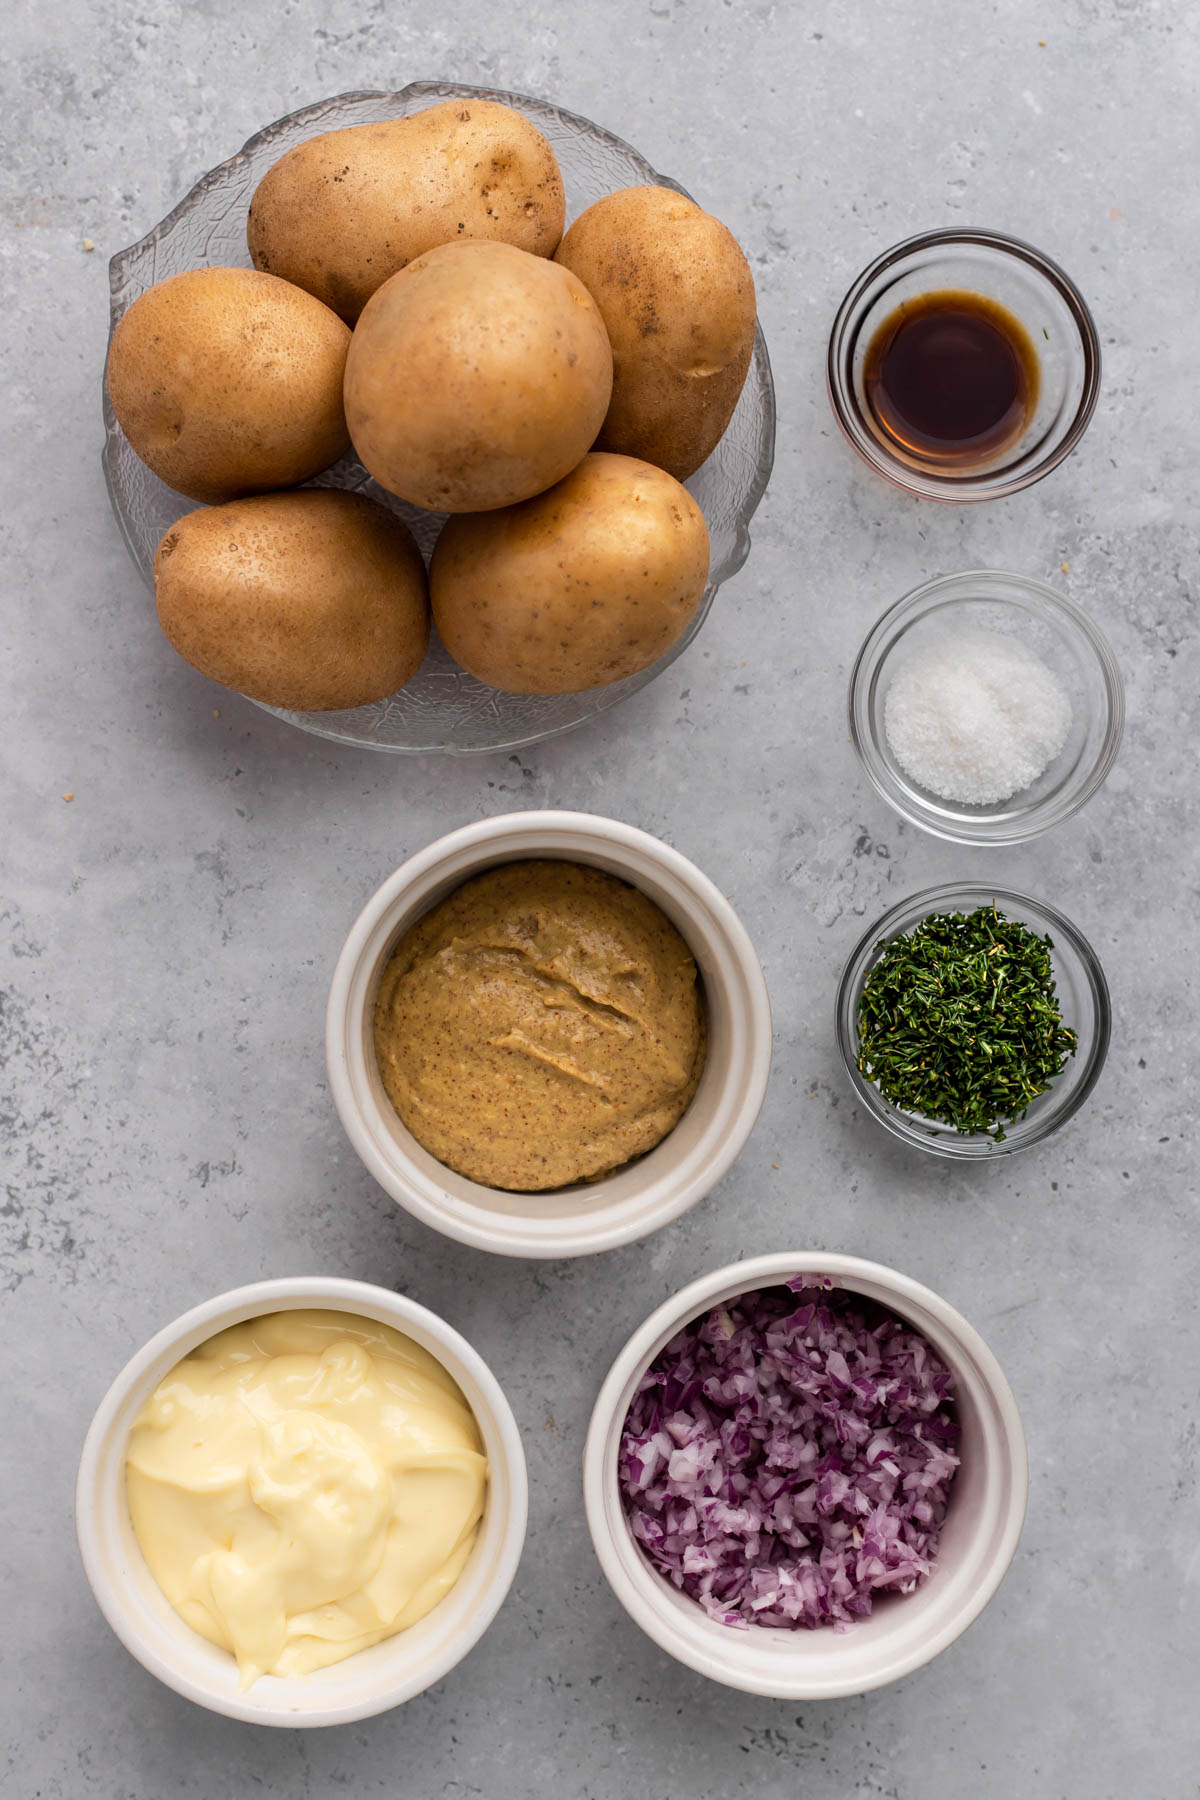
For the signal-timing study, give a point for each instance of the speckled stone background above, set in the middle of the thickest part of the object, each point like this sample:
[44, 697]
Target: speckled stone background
[169, 933]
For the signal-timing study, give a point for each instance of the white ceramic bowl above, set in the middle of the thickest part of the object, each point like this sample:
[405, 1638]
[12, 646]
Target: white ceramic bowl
[634, 1200]
[987, 1504]
[372, 1680]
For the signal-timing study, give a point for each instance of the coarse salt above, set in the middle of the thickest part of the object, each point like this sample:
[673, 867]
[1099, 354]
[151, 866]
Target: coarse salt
[975, 716]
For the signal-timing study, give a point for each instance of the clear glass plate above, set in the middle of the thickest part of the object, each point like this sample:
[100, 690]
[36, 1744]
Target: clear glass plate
[442, 708]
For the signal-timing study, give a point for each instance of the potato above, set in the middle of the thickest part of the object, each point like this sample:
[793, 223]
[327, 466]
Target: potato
[579, 587]
[476, 377]
[343, 211]
[309, 601]
[227, 382]
[677, 299]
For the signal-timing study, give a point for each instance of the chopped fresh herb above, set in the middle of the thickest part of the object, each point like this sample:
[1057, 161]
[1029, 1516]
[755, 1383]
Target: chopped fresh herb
[959, 1021]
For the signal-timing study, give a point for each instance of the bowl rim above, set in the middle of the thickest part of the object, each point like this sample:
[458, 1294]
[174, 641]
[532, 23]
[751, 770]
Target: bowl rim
[926, 485]
[137, 1378]
[759, 373]
[641, 1593]
[515, 837]
[967, 828]
[964, 894]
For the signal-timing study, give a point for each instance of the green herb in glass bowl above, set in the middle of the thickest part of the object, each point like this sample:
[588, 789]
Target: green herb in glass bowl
[958, 1020]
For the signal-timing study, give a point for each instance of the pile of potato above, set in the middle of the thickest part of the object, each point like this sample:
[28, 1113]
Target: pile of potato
[413, 298]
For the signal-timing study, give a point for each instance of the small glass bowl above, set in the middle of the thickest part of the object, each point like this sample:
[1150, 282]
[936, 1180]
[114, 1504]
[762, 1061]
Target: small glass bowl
[1028, 284]
[1057, 631]
[1082, 995]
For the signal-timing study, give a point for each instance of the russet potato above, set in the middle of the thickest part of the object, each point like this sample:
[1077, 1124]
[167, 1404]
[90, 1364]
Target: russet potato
[228, 382]
[477, 376]
[579, 587]
[342, 212]
[677, 299]
[310, 600]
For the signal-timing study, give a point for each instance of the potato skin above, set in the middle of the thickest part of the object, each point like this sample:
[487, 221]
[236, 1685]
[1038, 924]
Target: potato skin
[579, 587]
[311, 600]
[677, 299]
[227, 382]
[477, 376]
[342, 212]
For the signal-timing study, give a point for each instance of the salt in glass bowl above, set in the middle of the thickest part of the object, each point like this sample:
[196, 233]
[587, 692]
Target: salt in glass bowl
[1083, 999]
[1027, 284]
[978, 1539]
[442, 708]
[1057, 631]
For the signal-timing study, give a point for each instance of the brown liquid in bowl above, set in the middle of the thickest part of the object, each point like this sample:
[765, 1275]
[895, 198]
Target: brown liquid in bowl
[951, 378]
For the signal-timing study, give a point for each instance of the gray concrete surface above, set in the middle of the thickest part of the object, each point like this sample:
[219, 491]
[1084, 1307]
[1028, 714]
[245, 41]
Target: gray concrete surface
[169, 933]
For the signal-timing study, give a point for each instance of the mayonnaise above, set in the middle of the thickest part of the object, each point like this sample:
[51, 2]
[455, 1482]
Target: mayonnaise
[304, 1485]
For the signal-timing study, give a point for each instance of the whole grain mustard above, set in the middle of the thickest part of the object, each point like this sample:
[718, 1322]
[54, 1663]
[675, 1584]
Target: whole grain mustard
[541, 1026]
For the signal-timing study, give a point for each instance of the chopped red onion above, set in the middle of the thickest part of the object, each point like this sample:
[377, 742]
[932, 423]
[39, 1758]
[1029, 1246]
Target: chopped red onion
[789, 1455]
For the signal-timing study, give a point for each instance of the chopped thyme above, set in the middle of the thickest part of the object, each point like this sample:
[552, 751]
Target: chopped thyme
[959, 1020]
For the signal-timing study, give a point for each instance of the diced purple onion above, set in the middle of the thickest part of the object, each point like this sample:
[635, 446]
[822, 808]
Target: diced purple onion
[789, 1456]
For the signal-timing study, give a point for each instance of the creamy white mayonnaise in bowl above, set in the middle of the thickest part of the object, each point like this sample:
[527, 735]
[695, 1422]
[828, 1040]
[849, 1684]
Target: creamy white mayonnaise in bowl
[643, 1194]
[371, 1680]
